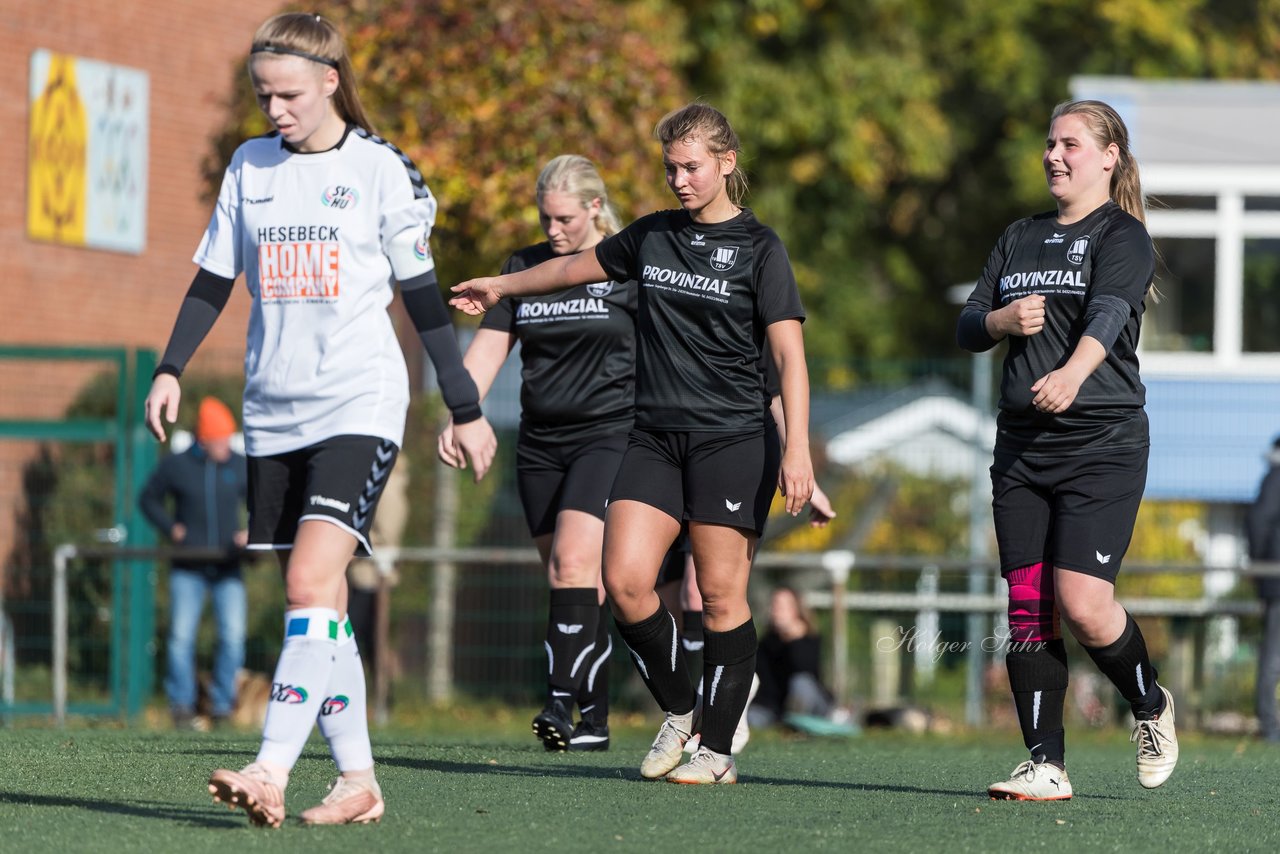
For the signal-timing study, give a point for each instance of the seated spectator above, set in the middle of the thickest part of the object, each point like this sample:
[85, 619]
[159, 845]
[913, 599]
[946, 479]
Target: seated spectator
[788, 665]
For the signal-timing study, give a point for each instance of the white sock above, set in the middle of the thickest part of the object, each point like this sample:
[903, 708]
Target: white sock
[344, 717]
[297, 690]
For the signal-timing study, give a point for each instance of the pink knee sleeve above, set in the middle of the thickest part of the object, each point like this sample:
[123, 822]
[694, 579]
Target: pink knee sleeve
[1033, 611]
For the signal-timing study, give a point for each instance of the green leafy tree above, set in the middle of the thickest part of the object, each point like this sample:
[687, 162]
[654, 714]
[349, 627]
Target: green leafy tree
[481, 93]
[890, 142]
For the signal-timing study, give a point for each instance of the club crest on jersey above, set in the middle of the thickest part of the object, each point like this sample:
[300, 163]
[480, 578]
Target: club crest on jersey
[1078, 249]
[600, 289]
[340, 196]
[422, 248]
[724, 257]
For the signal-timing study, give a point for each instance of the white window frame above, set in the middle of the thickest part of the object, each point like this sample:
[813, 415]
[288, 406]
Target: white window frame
[1229, 226]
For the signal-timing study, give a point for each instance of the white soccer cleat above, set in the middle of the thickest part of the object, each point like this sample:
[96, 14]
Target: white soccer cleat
[1157, 745]
[706, 767]
[664, 755]
[1033, 781]
[350, 801]
[252, 789]
[742, 733]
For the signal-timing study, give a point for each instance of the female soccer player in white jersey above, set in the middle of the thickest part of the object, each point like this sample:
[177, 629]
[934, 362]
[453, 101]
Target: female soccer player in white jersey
[322, 217]
[578, 355]
[1067, 288]
[714, 285]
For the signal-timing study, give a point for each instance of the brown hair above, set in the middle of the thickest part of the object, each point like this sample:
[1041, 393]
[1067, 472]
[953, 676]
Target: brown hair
[1106, 127]
[706, 123]
[576, 176]
[312, 37]
[802, 610]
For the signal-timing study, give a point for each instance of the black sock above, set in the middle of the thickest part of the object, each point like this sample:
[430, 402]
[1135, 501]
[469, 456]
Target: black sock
[656, 651]
[593, 692]
[728, 666]
[1038, 677]
[1126, 664]
[571, 636]
[692, 639]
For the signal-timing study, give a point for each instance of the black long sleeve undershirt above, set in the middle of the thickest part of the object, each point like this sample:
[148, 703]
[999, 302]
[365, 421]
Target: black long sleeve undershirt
[204, 301]
[426, 308]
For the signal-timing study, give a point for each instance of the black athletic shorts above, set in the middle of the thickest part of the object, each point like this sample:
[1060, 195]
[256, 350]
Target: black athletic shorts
[338, 480]
[575, 476]
[1071, 512]
[717, 478]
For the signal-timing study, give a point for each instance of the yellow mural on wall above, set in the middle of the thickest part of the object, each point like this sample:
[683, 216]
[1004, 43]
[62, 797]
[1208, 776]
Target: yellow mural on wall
[56, 188]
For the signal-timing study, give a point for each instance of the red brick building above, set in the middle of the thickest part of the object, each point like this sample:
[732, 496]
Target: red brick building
[54, 294]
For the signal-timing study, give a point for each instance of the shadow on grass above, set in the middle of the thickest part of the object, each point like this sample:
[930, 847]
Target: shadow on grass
[615, 773]
[198, 817]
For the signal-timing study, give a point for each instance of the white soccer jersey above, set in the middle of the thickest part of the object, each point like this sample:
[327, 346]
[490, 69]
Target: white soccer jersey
[320, 239]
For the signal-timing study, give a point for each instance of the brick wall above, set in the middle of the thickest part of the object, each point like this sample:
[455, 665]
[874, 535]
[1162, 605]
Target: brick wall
[51, 294]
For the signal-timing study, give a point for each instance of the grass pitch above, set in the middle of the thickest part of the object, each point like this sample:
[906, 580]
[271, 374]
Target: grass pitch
[487, 786]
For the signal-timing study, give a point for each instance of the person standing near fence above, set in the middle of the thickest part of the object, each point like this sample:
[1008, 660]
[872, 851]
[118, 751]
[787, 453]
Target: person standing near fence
[323, 217]
[206, 485]
[1264, 545]
[715, 285]
[577, 401]
[1067, 289]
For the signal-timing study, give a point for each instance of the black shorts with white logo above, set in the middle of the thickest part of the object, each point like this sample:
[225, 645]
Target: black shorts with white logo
[718, 478]
[554, 476]
[338, 480]
[1072, 512]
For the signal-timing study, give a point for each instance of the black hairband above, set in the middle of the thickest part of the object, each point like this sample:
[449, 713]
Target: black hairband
[271, 48]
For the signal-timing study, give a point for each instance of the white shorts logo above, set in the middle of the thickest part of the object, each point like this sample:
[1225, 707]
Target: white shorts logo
[724, 257]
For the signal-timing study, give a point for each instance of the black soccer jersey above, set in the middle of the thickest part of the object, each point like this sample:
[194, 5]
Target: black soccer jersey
[707, 293]
[578, 351]
[1107, 253]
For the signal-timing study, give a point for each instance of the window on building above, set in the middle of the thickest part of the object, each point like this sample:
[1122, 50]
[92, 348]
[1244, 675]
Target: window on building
[1261, 295]
[1182, 322]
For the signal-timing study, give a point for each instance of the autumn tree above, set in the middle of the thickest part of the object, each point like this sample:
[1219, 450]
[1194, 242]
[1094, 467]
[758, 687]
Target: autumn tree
[481, 93]
[890, 142]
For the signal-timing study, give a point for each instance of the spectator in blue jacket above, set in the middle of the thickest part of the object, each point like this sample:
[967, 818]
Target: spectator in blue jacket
[194, 499]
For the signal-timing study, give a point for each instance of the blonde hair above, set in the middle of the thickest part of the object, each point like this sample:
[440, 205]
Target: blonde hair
[576, 176]
[1106, 127]
[706, 123]
[314, 38]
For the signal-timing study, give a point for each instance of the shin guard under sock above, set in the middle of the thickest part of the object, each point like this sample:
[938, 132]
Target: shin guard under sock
[1038, 677]
[593, 690]
[344, 715]
[655, 646]
[298, 687]
[1126, 663]
[572, 618]
[728, 665]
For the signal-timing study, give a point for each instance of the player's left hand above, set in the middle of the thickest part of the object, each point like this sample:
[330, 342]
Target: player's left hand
[795, 479]
[1056, 391]
[476, 296]
[475, 441]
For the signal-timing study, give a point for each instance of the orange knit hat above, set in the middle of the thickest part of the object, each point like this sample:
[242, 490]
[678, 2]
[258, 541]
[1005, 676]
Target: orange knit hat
[215, 420]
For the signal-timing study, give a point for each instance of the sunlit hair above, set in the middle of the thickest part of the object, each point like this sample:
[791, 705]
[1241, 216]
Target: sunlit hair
[1106, 127]
[705, 123]
[314, 38]
[575, 175]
